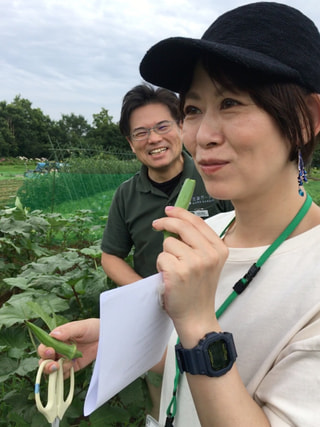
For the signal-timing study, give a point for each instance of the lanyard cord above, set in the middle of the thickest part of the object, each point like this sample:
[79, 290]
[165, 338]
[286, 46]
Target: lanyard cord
[239, 287]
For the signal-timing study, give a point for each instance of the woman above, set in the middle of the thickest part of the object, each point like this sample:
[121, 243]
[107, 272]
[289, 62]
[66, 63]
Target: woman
[249, 94]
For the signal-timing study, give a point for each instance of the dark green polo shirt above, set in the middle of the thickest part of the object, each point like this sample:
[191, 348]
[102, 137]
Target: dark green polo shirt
[136, 203]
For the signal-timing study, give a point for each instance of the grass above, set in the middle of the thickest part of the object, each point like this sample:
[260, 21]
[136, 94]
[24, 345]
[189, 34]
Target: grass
[313, 188]
[99, 203]
[10, 175]
[15, 170]
[313, 185]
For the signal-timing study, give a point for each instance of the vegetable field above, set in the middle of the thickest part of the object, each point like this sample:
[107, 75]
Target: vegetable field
[50, 273]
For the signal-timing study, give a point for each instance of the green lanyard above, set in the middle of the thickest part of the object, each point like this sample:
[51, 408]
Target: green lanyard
[238, 288]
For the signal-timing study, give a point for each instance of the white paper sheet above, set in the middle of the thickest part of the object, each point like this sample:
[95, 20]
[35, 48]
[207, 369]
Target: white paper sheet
[134, 332]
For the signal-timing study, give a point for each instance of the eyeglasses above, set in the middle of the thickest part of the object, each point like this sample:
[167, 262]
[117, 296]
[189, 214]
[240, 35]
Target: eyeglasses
[160, 128]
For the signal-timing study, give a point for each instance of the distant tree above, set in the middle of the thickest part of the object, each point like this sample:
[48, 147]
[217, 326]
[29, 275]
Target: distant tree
[8, 146]
[68, 136]
[106, 134]
[72, 130]
[24, 129]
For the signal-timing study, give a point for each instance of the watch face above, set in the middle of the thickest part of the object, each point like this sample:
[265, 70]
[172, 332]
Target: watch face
[218, 355]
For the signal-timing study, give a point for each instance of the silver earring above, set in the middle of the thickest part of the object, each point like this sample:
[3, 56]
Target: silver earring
[302, 173]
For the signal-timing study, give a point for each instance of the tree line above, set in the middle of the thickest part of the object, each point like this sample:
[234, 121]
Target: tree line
[27, 131]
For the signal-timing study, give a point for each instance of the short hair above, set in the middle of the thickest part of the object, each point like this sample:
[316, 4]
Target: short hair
[146, 94]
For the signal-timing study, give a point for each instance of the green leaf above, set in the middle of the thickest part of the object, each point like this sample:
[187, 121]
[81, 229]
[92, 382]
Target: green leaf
[27, 365]
[10, 367]
[134, 392]
[17, 282]
[43, 314]
[37, 249]
[17, 310]
[7, 242]
[109, 416]
[46, 282]
[50, 264]
[16, 353]
[39, 223]
[92, 251]
[20, 401]
[42, 266]
[18, 420]
[14, 227]
[18, 204]
[14, 337]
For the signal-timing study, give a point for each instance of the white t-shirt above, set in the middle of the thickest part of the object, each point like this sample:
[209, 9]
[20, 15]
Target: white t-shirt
[275, 323]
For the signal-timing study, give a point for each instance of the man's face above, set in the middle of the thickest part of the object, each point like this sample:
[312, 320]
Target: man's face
[157, 152]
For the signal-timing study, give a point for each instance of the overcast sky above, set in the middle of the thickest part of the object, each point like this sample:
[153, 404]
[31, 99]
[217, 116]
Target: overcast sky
[77, 56]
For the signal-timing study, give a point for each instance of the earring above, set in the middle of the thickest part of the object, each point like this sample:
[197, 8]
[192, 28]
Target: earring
[302, 173]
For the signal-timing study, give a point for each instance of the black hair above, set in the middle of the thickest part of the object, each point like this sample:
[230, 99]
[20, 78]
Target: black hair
[145, 94]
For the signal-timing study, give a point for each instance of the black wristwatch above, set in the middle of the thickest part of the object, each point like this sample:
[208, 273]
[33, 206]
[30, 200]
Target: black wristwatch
[213, 356]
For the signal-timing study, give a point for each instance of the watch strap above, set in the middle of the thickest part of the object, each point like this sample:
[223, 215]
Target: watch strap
[190, 360]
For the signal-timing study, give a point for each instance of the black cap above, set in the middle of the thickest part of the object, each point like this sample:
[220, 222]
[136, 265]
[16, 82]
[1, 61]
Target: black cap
[271, 38]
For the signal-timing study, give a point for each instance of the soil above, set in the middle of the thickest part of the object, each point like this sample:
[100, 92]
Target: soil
[9, 188]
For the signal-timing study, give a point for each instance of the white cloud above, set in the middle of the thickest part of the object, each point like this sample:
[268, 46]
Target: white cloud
[81, 55]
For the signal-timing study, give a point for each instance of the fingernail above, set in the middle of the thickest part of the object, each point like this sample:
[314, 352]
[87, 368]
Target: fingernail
[169, 208]
[49, 353]
[53, 368]
[55, 333]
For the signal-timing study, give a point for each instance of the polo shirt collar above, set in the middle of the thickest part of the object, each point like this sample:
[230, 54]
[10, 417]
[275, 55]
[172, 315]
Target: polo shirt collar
[144, 185]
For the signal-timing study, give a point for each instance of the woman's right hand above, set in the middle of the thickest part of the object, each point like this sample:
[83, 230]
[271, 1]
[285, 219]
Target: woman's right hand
[84, 333]
[190, 267]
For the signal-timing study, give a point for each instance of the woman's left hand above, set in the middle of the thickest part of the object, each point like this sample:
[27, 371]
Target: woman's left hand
[191, 267]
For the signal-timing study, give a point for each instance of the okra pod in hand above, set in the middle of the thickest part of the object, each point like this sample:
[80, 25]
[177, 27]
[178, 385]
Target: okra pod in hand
[68, 350]
[183, 200]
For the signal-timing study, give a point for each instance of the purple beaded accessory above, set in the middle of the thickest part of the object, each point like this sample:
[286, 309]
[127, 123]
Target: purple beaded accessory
[302, 173]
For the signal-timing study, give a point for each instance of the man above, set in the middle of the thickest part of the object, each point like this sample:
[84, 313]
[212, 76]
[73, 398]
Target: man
[151, 122]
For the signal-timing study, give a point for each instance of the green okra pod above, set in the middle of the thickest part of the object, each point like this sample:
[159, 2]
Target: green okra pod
[183, 199]
[68, 350]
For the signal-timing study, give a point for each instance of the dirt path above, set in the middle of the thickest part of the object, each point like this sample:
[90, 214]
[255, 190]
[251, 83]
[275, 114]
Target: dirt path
[8, 188]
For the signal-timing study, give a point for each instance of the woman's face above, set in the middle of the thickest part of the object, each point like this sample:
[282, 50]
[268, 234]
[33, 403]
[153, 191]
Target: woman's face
[236, 146]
